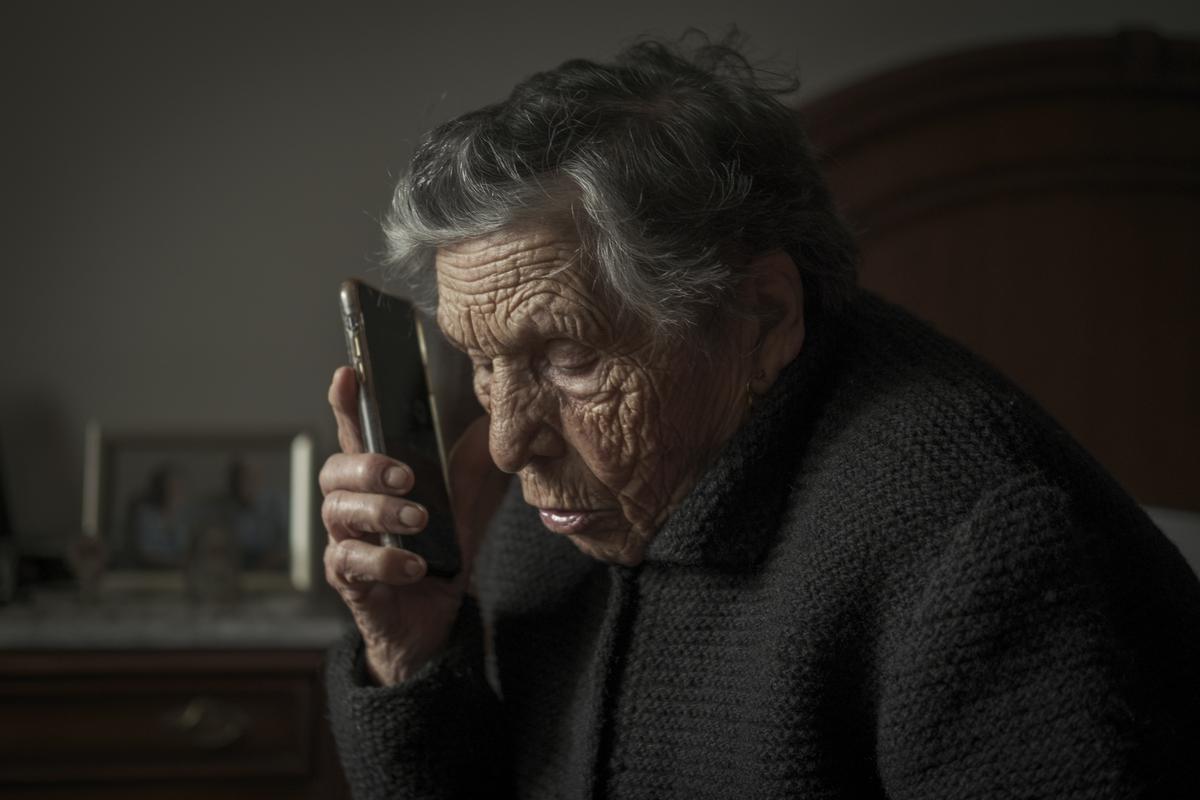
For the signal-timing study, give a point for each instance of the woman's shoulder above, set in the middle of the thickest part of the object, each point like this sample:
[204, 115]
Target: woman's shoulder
[924, 453]
[914, 432]
[911, 410]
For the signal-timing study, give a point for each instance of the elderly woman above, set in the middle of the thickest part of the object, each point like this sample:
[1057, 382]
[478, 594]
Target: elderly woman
[769, 537]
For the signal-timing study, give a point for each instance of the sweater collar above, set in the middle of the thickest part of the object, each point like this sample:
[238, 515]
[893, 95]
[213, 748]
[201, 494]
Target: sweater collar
[732, 515]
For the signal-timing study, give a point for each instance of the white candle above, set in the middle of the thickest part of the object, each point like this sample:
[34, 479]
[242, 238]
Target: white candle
[301, 511]
[91, 479]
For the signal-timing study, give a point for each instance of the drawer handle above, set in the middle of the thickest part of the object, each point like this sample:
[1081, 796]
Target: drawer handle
[210, 724]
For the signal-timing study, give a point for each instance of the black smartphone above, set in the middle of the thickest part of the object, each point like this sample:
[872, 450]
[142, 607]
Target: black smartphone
[398, 412]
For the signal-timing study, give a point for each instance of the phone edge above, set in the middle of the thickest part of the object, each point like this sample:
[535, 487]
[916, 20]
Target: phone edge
[360, 361]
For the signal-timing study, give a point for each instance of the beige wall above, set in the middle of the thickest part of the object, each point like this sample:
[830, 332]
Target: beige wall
[186, 187]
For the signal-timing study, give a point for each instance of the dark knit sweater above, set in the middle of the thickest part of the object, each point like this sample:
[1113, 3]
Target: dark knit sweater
[900, 579]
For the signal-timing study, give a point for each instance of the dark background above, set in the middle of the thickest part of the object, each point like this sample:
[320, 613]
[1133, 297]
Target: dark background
[186, 184]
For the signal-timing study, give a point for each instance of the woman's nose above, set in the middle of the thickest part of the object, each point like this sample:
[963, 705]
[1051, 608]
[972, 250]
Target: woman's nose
[519, 428]
[507, 440]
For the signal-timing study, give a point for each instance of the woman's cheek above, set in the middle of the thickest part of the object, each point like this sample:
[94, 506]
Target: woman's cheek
[594, 422]
[634, 417]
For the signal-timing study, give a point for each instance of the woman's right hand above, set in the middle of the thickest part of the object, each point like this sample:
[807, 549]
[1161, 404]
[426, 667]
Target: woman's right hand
[404, 617]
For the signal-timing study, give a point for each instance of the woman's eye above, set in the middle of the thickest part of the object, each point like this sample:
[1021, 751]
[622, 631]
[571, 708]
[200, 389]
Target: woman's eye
[570, 356]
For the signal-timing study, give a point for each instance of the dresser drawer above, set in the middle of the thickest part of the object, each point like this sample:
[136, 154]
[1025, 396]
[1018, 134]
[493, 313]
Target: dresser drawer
[152, 716]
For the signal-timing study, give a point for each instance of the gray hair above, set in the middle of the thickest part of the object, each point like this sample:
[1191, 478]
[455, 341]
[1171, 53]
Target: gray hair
[675, 164]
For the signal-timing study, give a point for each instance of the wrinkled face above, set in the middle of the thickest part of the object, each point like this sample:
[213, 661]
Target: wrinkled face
[606, 432]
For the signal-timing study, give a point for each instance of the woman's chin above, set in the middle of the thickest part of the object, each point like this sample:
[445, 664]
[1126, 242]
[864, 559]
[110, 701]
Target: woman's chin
[623, 548]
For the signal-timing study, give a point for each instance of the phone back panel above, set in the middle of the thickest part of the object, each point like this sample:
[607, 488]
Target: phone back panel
[393, 371]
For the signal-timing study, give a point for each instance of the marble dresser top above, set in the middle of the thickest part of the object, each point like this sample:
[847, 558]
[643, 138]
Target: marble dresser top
[53, 620]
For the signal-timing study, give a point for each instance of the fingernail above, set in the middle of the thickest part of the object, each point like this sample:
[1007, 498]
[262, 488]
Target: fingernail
[412, 516]
[397, 477]
[413, 568]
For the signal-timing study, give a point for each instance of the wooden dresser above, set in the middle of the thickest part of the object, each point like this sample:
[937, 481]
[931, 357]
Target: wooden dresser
[1038, 201]
[128, 701]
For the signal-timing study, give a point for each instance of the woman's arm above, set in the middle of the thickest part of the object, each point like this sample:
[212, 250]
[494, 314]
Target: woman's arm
[438, 734]
[1045, 656]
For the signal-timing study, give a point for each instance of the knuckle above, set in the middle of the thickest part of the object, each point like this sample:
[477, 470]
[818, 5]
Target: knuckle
[328, 474]
[332, 576]
[334, 474]
[331, 509]
[364, 514]
[372, 517]
[360, 472]
[369, 472]
[363, 470]
[358, 513]
[343, 561]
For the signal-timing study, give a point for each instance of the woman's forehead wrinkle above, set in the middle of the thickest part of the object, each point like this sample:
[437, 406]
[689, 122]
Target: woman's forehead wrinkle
[571, 324]
[487, 276]
[553, 308]
[540, 307]
[517, 288]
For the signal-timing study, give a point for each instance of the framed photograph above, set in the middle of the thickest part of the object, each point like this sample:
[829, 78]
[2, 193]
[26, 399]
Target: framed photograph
[213, 514]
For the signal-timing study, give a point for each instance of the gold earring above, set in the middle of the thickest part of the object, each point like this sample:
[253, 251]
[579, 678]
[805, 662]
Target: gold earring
[758, 376]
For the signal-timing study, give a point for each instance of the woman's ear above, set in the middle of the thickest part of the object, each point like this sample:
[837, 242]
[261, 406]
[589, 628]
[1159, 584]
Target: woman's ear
[774, 293]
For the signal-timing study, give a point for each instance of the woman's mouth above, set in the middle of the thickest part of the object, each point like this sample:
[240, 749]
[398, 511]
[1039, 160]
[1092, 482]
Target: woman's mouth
[564, 520]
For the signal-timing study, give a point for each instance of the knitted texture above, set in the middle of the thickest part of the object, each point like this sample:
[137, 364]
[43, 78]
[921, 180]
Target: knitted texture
[900, 579]
[413, 740]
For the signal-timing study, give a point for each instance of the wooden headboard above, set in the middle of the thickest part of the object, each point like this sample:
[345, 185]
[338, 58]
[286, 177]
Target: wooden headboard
[1040, 203]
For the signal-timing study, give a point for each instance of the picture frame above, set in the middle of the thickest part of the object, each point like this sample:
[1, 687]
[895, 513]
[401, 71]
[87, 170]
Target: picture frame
[211, 513]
